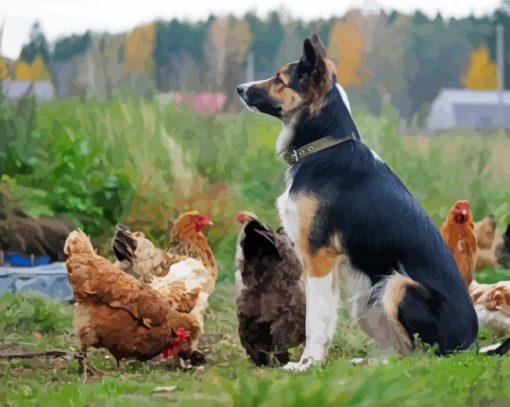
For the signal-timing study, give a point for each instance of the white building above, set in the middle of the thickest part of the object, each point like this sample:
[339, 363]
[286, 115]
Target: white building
[463, 108]
[15, 89]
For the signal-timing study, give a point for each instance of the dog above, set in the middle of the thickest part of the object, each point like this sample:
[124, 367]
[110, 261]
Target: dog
[354, 223]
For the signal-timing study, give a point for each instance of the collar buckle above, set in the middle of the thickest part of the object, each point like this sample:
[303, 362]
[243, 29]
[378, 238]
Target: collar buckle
[291, 157]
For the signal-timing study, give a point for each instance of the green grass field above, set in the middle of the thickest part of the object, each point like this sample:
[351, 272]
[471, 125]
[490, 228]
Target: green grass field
[29, 323]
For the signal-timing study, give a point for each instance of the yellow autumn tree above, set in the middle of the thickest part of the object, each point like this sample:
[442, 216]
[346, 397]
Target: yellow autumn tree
[4, 68]
[35, 71]
[139, 48]
[482, 71]
[346, 48]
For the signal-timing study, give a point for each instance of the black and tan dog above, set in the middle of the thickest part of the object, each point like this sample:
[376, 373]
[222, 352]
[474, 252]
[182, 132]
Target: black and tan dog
[354, 224]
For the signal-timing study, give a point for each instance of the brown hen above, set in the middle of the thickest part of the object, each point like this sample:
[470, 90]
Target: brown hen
[459, 235]
[115, 311]
[185, 279]
[492, 305]
[187, 240]
[271, 305]
[487, 238]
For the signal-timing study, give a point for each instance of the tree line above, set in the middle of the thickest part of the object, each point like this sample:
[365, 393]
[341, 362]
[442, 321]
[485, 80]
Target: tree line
[383, 58]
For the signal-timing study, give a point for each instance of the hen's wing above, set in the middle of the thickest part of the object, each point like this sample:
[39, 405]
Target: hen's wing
[146, 260]
[492, 305]
[179, 296]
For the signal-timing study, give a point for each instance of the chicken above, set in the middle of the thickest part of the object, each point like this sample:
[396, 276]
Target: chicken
[243, 218]
[492, 305]
[503, 249]
[115, 311]
[187, 239]
[485, 231]
[272, 305]
[459, 235]
[492, 301]
[487, 238]
[186, 282]
[139, 257]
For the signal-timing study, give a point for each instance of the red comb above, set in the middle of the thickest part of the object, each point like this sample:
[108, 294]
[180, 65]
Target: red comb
[463, 204]
[182, 335]
[175, 343]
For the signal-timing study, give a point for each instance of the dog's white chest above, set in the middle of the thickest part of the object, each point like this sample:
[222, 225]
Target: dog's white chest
[289, 214]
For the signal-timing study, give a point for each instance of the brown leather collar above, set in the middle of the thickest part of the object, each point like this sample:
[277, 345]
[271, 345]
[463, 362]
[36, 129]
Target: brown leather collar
[292, 156]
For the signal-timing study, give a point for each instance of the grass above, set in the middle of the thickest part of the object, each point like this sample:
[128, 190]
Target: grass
[229, 378]
[100, 163]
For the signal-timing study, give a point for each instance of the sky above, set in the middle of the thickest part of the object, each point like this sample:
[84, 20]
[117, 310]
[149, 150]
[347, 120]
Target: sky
[61, 17]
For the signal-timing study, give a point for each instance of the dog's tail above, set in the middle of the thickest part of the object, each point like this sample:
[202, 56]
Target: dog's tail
[435, 318]
[499, 349]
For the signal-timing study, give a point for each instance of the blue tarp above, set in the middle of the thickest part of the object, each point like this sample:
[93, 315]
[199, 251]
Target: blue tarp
[50, 280]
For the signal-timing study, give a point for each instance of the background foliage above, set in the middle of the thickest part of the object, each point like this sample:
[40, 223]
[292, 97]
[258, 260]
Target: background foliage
[389, 57]
[133, 161]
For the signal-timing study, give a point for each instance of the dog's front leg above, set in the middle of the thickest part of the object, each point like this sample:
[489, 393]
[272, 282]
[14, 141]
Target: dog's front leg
[321, 315]
[322, 301]
[298, 213]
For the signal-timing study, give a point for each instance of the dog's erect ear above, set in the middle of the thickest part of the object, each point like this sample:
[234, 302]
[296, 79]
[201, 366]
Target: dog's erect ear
[312, 62]
[309, 58]
[318, 45]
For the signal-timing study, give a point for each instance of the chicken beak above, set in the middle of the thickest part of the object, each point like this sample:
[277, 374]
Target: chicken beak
[210, 222]
[464, 212]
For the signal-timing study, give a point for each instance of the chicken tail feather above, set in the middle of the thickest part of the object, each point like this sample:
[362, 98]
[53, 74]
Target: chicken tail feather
[124, 245]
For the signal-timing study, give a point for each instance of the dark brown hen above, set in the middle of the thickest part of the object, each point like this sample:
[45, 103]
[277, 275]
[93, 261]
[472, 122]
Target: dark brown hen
[271, 306]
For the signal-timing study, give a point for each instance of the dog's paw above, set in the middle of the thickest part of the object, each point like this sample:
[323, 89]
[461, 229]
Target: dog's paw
[300, 366]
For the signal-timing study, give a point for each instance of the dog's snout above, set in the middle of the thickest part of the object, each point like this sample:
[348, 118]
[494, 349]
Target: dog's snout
[240, 90]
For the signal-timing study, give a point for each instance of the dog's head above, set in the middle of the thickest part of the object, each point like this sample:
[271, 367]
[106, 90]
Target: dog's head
[295, 86]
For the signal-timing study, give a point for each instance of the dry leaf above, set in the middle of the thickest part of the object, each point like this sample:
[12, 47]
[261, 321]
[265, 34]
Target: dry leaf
[164, 389]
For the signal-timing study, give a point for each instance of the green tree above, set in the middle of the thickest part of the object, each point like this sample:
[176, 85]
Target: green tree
[436, 56]
[178, 46]
[36, 46]
[501, 16]
[267, 36]
[68, 47]
[387, 83]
